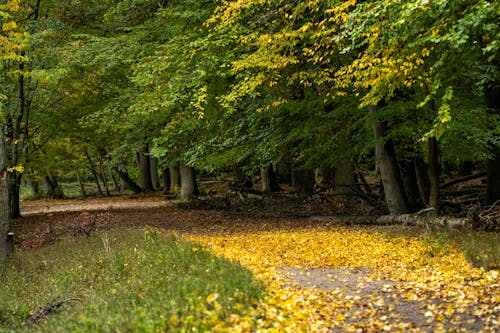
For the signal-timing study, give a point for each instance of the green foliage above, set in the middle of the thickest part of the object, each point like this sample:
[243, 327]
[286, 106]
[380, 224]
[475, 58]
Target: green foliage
[127, 281]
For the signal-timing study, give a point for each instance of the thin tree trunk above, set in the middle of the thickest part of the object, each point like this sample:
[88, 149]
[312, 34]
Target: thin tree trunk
[52, 188]
[102, 175]
[94, 173]
[389, 172]
[166, 180]
[35, 188]
[125, 178]
[434, 174]
[14, 194]
[116, 184]
[80, 182]
[422, 179]
[155, 177]
[5, 246]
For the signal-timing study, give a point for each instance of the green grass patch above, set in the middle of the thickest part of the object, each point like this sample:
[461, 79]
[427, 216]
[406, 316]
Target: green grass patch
[127, 281]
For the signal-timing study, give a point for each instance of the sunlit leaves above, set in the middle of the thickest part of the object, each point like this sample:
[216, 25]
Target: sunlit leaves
[432, 274]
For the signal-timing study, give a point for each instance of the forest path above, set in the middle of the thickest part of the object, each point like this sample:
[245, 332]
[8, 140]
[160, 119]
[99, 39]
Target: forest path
[319, 277]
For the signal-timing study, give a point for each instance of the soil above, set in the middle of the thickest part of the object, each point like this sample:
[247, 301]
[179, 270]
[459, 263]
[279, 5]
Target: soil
[45, 222]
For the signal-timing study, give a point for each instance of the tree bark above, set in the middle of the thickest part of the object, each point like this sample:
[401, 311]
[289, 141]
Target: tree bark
[303, 181]
[422, 179]
[14, 194]
[388, 167]
[5, 247]
[125, 178]
[344, 179]
[35, 188]
[94, 173]
[52, 188]
[155, 177]
[434, 174]
[144, 164]
[492, 96]
[268, 179]
[80, 182]
[166, 180]
[188, 181]
[175, 177]
[410, 184]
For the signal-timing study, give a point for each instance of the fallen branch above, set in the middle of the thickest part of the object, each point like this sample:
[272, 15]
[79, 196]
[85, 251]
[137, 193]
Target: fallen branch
[44, 312]
[403, 219]
[463, 179]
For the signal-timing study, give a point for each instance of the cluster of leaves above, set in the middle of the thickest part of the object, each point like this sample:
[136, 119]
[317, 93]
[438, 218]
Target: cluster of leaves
[127, 280]
[255, 82]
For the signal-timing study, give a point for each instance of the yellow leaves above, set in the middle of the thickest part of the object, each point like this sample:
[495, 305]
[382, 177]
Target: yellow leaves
[399, 273]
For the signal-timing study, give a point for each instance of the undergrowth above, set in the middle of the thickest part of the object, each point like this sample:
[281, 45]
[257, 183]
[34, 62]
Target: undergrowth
[126, 281]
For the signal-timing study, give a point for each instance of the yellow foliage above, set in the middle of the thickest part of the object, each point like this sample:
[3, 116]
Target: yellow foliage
[417, 271]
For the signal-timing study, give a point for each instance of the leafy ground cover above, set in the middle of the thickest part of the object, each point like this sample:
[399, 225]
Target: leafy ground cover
[317, 276]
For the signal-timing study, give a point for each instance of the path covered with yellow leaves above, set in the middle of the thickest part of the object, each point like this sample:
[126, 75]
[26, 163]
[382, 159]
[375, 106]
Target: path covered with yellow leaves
[318, 277]
[344, 279]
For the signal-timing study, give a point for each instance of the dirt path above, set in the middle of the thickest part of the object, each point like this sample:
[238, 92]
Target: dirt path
[333, 299]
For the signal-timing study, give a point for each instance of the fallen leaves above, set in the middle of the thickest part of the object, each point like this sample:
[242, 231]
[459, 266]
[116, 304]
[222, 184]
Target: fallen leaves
[390, 284]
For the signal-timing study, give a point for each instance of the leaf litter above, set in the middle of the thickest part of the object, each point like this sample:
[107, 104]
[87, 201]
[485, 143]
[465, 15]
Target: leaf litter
[319, 277]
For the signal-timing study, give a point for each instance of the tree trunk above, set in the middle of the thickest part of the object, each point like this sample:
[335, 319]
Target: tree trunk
[166, 180]
[327, 176]
[125, 178]
[434, 174]
[388, 167]
[240, 180]
[344, 178]
[155, 178]
[492, 96]
[410, 184]
[303, 182]
[52, 188]
[94, 173]
[422, 179]
[14, 192]
[5, 246]
[35, 189]
[116, 184]
[188, 182]
[144, 165]
[175, 177]
[80, 182]
[266, 175]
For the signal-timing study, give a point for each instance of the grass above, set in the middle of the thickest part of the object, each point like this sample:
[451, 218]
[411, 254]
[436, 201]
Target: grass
[127, 281]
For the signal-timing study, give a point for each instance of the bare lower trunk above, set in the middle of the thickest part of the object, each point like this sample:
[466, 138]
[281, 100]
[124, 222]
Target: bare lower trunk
[409, 178]
[303, 181]
[52, 188]
[14, 193]
[5, 246]
[434, 175]
[188, 182]
[493, 177]
[80, 182]
[268, 178]
[94, 173]
[143, 162]
[175, 178]
[155, 177]
[422, 179]
[344, 179]
[389, 171]
[166, 181]
[125, 178]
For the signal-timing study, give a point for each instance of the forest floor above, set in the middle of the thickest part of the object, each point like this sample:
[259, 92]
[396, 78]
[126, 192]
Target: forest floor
[319, 276]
